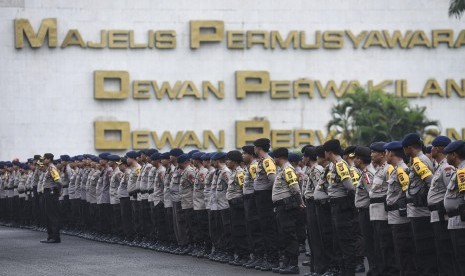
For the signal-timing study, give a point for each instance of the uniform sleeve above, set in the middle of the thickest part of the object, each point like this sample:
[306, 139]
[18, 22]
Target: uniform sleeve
[240, 178]
[54, 174]
[421, 169]
[402, 179]
[269, 166]
[343, 172]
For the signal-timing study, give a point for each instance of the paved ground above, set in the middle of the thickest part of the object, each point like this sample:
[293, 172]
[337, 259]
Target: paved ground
[21, 253]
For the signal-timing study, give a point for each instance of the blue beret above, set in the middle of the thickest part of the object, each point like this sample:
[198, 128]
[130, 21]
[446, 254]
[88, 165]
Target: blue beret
[218, 156]
[95, 158]
[16, 163]
[155, 156]
[150, 152]
[190, 153]
[72, 159]
[104, 155]
[394, 145]
[113, 157]
[197, 155]
[30, 160]
[165, 155]
[292, 157]
[441, 141]
[183, 158]
[454, 146]
[65, 157]
[176, 152]
[377, 146]
[206, 156]
[79, 158]
[132, 154]
[8, 164]
[411, 139]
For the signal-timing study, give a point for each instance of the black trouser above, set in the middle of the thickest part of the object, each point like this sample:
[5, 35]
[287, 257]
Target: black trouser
[372, 253]
[225, 238]
[267, 224]
[35, 206]
[200, 233]
[52, 213]
[323, 213]
[238, 227]
[74, 220]
[188, 215]
[135, 205]
[287, 221]
[180, 224]
[169, 224]
[254, 234]
[28, 211]
[145, 221]
[302, 226]
[458, 244]
[404, 248]
[116, 229]
[105, 218]
[83, 214]
[342, 215]
[126, 218]
[92, 222]
[15, 208]
[159, 222]
[315, 242]
[447, 264]
[42, 215]
[383, 234]
[65, 211]
[425, 251]
[359, 242]
[214, 228]
[21, 210]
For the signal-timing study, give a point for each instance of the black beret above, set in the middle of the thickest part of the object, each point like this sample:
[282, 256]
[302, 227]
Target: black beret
[378, 146]
[320, 151]
[132, 154]
[349, 150]
[454, 146]
[155, 156]
[124, 161]
[176, 152]
[150, 152]
[197, 155]
[165, 155]
[248, 149]
[190, 153]
[104, 155]
[37, 157]
[441, 141]
[218, 156]
[333, 146]
[206, 156]
[65, 158]
[411, 139]
[281, 152]
[393, 146]
[263, 143]
[304, 148]
[428, 149]
[48, 156]
[310, 152]
[113, 157]
[234, 155]
[362, 152]
[293, 157]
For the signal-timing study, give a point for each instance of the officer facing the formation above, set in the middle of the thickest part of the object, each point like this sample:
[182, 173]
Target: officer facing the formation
[420, 177]
[454, 202]
[341, 193]
[52, 187]
[287, 200]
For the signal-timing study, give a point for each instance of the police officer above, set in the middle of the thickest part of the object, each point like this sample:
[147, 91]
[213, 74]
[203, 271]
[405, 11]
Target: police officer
[441, 178]
[404, 247]
[366, 171]
[287, 200]
[185, 219]
[67, 173]
[134, 173]
[52, 186]
[235, 198]
[341, 193]
[115, 207]
[168, 203]
[125, 203]
[378, 212]
[176, 199]
[156, 176]
[454, 201]
[263, 184]
[420, 176]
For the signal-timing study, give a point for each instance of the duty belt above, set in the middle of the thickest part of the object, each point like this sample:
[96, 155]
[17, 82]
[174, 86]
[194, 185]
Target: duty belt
[453, 213]
[378, 200]
[309, 200]
[393, 207]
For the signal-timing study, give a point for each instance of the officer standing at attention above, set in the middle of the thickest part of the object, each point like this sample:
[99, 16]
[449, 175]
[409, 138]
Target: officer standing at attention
[134, 173]
[287, 200]
[404, 248]
[52, 187]
[263, 184]
[378, 212]
[186, 193]
[441, 178]
[341, 193]
[421, 174]
[454, 201]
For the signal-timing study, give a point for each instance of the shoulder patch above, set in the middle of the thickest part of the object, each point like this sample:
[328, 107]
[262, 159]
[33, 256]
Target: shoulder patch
[240, 178]
[290, 176]
[342, 170]
[403, 179]
[253, 170]
[461, 179]
[269, 166]
[390, 169]
[138, 171]
[421, 169]
[354, 176]
[54, 174]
